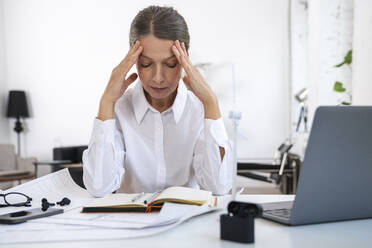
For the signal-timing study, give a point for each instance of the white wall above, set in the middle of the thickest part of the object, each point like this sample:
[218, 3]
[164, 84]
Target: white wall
[299, 69]
[62, 53]
[362, 53]
[330, 37]
[4, 124]
[322, 33]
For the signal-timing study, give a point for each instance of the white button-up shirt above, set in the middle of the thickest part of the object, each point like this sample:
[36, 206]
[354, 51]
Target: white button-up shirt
[143, 150]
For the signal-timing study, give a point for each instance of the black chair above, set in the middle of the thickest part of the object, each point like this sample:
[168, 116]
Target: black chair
[284, 172]
[74, 154]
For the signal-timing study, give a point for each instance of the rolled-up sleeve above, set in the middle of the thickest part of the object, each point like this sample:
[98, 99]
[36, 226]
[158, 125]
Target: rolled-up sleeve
[212, 173]
[103, 161]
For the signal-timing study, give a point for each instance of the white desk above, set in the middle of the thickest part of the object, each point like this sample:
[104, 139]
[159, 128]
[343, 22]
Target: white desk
[204, 231]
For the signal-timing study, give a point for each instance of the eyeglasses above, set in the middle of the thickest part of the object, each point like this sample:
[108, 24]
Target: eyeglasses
[16, 199]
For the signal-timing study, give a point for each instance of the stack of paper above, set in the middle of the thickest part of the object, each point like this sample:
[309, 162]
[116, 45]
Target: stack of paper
[74, 225]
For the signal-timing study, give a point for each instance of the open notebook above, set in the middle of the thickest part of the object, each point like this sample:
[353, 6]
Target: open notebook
[149, 201]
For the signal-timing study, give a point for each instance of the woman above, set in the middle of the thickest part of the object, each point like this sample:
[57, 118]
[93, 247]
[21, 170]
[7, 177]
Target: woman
[158, 133]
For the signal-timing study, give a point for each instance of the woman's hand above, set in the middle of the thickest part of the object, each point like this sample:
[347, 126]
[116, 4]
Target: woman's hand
[195, 81]
[118, 84]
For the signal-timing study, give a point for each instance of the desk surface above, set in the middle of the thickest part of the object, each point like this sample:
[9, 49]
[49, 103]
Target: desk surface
[203, 231]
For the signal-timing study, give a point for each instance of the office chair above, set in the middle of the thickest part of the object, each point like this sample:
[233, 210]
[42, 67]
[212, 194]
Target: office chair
[283, 172]
[75, 167]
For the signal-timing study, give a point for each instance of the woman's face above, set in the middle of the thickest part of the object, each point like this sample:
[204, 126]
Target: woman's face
[158, 68]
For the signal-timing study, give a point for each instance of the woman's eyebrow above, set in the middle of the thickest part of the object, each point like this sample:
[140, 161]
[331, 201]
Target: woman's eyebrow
[173, 56]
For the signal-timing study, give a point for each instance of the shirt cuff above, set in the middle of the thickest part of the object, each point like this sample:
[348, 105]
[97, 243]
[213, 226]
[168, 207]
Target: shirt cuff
[217, 131]
[104, 131]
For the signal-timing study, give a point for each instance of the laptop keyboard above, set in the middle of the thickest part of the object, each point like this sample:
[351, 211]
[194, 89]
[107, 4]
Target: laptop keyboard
[282, 212]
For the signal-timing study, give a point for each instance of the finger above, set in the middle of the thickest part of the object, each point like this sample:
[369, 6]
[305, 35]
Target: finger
[178, 45]
[138, 52]
[131, 51]
[184, 54]
[130, 61]
[131, 78]
[135, 56]
[179, 52]
[184, 48]
[176, 53]
[134, 47]
[181, 59]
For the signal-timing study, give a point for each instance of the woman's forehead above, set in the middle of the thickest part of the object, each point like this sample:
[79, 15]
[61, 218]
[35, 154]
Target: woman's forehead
[156, 49]
[150, 58]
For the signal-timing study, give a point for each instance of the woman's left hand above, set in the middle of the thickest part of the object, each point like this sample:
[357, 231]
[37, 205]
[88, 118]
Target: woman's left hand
[195, 81]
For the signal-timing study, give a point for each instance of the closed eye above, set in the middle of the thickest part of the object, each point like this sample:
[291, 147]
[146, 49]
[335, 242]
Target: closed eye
[172, 66]
[145, 66]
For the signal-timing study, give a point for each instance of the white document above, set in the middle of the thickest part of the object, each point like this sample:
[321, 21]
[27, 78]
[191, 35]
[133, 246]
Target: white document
[170, 213]
[36, 232]
[53, 187]
[103, 220]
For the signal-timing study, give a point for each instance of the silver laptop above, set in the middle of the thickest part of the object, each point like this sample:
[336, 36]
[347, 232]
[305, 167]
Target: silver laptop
[335, 181]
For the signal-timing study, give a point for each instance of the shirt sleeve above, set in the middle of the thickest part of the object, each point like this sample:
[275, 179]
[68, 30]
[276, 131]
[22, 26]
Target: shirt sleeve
[212, 173]
[103, 161]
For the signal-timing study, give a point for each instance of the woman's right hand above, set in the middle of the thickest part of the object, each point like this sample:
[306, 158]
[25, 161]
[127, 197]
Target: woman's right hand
[118, 84]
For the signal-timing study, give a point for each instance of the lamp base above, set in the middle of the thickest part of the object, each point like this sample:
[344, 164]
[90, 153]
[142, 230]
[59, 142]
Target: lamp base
[18, 126]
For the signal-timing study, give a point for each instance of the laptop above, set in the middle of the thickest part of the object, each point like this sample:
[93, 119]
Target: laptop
[335, 181]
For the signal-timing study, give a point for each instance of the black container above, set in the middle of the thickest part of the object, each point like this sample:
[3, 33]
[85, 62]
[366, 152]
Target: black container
[238, 224]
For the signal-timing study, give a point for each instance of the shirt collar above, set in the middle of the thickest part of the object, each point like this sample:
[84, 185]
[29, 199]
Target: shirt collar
[141, 106]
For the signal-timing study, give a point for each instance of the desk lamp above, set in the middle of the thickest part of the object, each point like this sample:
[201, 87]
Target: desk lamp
[301, 97]
[17, 108]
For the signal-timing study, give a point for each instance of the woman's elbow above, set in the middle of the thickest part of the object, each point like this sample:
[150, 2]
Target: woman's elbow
[93, 188]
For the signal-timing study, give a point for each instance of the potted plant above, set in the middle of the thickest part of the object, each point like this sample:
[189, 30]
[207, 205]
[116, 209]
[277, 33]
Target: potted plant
[338, 86]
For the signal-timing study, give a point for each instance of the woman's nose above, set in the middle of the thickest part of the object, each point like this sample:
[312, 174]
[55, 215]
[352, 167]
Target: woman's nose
[158, 75]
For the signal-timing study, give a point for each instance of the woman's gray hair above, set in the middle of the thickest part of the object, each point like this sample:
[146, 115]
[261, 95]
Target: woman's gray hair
[162, 22]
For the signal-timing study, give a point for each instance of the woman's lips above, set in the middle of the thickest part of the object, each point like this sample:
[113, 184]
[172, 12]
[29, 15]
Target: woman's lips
[158, 89]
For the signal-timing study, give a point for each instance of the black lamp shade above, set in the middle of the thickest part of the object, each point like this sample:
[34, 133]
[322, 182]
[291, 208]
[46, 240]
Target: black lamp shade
[17, 104]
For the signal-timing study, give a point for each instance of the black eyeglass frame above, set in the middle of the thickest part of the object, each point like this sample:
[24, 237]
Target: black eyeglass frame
[27, 203]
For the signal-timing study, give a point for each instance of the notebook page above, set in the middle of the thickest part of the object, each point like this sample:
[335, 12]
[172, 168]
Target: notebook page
[119, 200]
[186, 194]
